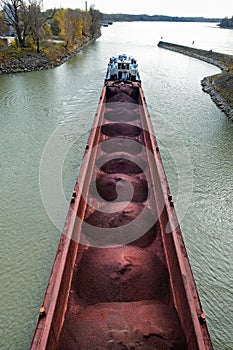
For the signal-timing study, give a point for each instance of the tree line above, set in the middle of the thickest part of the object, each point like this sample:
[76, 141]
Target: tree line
[226, 22]
[25, 20]
[120, 17]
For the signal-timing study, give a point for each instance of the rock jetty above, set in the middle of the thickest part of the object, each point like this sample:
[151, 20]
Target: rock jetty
[219, 86]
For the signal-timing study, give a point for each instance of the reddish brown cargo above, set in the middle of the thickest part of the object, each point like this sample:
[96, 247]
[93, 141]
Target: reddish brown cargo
[121, 279]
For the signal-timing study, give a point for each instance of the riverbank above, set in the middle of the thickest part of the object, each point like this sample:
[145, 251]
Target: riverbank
[14, 62]
[219, 86]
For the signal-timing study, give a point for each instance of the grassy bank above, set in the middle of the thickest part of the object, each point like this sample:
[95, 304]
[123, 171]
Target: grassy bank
[52, 54]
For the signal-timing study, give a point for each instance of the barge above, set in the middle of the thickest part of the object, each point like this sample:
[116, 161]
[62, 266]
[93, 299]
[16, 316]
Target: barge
[121, 278]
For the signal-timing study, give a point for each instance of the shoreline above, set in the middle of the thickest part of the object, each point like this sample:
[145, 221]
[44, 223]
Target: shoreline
[211, 84]
[39, 61]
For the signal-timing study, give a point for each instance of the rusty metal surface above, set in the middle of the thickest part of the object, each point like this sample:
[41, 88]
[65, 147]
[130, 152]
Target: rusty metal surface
[162, 242]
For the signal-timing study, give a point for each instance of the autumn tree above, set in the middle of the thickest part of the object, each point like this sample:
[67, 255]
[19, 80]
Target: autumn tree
[72, 26]
[57, 24]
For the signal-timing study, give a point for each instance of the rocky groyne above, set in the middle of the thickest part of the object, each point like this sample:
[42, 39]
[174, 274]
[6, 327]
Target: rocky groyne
[219, 100]
[220, 86]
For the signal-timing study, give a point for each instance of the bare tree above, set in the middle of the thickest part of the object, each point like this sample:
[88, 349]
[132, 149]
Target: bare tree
[96, 18]
[16, 17]
[26, 18]
[37, 20]
[4, 29]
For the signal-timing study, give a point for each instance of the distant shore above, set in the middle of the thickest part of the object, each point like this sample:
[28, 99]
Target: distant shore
[219, 86]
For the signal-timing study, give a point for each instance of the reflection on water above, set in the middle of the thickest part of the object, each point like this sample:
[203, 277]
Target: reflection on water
[34, 105]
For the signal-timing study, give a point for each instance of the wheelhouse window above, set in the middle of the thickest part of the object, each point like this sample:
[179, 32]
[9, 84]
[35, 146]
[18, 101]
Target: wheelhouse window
[123, 65]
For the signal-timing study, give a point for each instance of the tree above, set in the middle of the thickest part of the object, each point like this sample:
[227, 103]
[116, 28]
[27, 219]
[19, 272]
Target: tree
[73, 25]
[70, 23]
[4, 30]
[226, 22]
[58, 22]
[16, 17]
[26, 19]
[86, 24]
[96, 18]
[38, 19]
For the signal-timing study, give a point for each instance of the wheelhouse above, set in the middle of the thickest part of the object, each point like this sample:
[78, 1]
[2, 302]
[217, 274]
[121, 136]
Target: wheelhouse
[122, 68]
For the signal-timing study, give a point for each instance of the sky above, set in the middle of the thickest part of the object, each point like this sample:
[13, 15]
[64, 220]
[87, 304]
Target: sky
[180, 8]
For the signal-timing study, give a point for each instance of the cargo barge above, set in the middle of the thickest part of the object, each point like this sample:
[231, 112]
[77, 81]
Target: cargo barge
[121, 278]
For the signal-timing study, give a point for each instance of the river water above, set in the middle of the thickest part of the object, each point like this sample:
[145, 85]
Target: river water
[45, 119]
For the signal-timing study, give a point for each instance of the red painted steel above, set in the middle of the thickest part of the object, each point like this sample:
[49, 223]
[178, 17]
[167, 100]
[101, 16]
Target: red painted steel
[184, 295]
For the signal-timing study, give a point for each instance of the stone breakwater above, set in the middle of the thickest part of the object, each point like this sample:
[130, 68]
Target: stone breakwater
[219, 100]
[222, 61]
